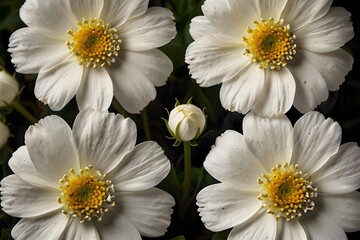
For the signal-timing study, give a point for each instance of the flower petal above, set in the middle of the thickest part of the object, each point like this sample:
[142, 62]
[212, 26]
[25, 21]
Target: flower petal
[96, 90]
[278, 93]
[299, 13]
[153, 64]
[59, 84]
[132, 88]
[315, 141]
[262, 226]
[21, 164]
[52, 17]
[152, 30]
[118, 12]
[32, 50]
[200, 26]
[311, 87]
[86, 9]
[343, 209]
[222, 206]
[142, 168]
[103, 138]
[341, 173]
[230, 161]
[290, 230]
[332, 66]
[81, 231]
[47, 227]
[327, 34]
[51, 148]
[148, 210]
[210, 62]
[113, 226]
[318, 225]
[244, 90]
[269, 139]
[20, 199]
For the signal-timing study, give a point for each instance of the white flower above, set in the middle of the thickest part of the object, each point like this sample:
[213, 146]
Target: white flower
[283, 182]
[186, 122]
[270, 55]
[94, 49]
[91, 182]
[4, 134]
[9, 88]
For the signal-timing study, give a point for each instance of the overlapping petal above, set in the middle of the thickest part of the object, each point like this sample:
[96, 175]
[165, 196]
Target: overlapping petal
[21, 199]
[340, 174]
[96, 90]
[148, 210]
[102, 138]
[117, 12]
[86, 9]
[51, 226]
[222, 206]
[328, 33]
[56, 86]
[270, 140]
[52, 17]
[21, 165]
[81, 231]
[143, 33]
[278, 93]
[261, 226]
[142, 168]
[52, 148]
[316, 139]
[32, 51]
[237, 167]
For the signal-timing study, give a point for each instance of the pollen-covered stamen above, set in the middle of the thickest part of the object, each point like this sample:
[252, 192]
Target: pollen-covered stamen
[94, 43]
[287, 192]
[270, 43]
[86, 194]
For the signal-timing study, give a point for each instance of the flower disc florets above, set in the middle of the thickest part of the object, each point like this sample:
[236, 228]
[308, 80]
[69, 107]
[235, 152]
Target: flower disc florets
[287, 192]
[270, 43]
[94, 43]
[86, 194]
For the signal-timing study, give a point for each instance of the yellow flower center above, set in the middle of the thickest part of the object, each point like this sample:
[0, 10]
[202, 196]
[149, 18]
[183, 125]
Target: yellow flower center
[94, 43]
[287, 192]
[86, 194]
[271, 44]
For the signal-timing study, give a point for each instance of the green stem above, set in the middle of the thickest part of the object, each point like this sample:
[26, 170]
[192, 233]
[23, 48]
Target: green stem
[145, 124]
[24, 112]
[187, 169]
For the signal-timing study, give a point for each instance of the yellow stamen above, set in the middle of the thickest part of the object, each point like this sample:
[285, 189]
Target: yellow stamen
[86, 194]
[271, 43]
[287, 192]
[94, 43]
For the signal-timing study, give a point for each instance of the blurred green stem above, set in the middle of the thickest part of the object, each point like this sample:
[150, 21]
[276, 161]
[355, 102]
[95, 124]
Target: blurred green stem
[24, 112]
[145, 123]
[187, 171]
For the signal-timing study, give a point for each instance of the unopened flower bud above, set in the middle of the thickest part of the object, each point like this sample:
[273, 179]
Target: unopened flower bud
[4, 134]
[186, 122]
[9, 88]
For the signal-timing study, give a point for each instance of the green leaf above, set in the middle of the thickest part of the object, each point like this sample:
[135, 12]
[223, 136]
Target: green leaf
[180, 237]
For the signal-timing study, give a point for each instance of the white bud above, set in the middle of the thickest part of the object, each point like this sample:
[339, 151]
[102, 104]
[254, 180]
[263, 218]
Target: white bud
[4, 134]
[187, 122]
[9, 88]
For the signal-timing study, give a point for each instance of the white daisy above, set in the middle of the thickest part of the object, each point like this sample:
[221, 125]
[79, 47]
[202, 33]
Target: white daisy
[282, 182]
[91, 182]
[270, 55]
[94, 49]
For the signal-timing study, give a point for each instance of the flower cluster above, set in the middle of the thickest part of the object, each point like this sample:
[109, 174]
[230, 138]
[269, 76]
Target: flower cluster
[92, 160]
